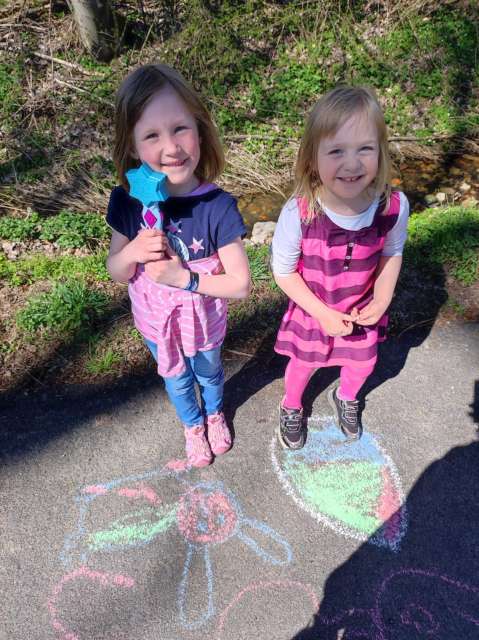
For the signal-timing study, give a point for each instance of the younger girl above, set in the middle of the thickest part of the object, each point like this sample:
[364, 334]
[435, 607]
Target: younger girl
[179, 277]
[336, 253]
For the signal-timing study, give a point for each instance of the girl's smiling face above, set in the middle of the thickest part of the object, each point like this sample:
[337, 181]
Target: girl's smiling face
[166, 138]
[347, 163]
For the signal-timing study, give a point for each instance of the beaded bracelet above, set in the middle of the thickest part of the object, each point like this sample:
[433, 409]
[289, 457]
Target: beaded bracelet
[194, 281]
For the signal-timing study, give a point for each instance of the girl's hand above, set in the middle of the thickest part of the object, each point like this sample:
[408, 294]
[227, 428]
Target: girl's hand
[371, 313]
[149, 244]
[335, 323]
[169, 271]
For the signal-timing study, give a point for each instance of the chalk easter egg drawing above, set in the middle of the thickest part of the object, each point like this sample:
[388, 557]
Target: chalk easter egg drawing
[352, 487]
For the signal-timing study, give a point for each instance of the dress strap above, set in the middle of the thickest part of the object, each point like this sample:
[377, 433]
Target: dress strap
[303, 208]
[394, 204]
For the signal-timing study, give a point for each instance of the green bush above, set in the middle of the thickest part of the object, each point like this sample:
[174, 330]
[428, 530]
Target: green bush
[74, 230]
[19, 229]
[65, 308]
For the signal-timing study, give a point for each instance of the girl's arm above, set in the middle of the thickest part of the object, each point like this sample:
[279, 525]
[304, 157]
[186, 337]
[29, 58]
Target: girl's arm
[386, 278]
[124, 255]
[235, 282]
[334, 323]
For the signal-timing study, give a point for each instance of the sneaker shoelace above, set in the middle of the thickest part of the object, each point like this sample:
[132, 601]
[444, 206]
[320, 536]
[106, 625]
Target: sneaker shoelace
[350, 410]
[292, 421]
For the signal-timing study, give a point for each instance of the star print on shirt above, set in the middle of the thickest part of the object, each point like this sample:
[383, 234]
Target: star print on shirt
[196, 245]
[174, 226]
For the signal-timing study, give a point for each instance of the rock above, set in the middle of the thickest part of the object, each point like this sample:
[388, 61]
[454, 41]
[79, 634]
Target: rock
[441, 197]
[464, 187]
[430, 198]
[455, 171]
[10, 249]
[263, 232]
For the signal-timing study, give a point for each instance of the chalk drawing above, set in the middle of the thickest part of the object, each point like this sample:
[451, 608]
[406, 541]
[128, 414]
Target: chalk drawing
[134, 529]
[208, 515]
[82, 573]
[353, 487]
[204, 513]
[358, 623]
[412, 603]
[426, 603]
[287, 586]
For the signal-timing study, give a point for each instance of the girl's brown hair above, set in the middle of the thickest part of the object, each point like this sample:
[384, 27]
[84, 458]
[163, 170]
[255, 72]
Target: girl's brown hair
[330, 112]
[135, 91]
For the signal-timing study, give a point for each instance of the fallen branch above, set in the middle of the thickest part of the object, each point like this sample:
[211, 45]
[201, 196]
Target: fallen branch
[72, 65]
[240, 353]
[416, 324]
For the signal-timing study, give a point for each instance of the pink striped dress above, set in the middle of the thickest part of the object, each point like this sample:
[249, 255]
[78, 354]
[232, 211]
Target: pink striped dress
[339, 266]
[179, 322]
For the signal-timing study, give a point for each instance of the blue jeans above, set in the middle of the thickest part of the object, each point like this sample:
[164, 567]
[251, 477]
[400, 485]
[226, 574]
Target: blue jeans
[206, 369]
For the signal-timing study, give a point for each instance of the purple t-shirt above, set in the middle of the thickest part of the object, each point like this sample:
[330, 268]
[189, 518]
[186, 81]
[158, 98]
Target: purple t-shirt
[197, 224]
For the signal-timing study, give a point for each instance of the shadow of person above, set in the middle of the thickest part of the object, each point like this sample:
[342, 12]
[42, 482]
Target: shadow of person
[430, 587]
[258, 372]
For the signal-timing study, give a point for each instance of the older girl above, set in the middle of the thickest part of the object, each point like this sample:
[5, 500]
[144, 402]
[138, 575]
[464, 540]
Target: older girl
[179, 277]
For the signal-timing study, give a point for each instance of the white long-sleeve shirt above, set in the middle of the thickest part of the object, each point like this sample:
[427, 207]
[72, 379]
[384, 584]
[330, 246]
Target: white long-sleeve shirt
[286, 245]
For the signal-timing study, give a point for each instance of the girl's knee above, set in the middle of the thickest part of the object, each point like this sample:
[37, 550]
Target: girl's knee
[180, 385]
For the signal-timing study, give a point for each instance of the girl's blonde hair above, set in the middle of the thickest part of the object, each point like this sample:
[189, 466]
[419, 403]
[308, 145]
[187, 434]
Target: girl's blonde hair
[134, 93]
[331, 111]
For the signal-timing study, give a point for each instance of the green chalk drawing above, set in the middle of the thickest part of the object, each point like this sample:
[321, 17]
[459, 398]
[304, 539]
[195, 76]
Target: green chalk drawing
[348, 492]
[140, 531]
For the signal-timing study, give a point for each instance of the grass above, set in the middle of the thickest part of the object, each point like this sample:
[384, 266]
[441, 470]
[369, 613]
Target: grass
[67, 229]
[102, 361]
[447, 237]
[11, 96]
[39, 267]
[258, 257]
[66, 307]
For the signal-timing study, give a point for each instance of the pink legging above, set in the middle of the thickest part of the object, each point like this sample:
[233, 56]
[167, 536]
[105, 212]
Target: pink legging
[297, 376]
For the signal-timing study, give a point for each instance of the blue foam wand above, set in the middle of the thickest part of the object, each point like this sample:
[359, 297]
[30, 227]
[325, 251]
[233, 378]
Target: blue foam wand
[149, 187]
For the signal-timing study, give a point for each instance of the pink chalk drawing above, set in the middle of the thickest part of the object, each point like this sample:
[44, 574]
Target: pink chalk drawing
[82, 573]
[411, 603]
[214, 509]
[209, 514]
[205, 514]
[290, 588]
[352, 487]
[442, 604]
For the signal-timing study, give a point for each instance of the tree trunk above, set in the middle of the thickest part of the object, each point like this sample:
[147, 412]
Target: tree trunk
[98, 27]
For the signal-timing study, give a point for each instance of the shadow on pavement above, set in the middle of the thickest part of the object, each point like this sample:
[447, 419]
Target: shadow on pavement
[475, 404]
[430, 588]
[30, 420]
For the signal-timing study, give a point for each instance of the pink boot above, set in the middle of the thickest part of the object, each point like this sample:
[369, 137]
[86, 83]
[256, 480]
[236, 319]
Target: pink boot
[219, 435]
[198, 452]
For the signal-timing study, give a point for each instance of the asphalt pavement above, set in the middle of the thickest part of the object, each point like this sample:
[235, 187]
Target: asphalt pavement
[106, 534]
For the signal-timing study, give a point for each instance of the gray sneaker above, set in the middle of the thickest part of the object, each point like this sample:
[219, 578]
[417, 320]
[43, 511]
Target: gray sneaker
[291, 432]
[349, 418]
